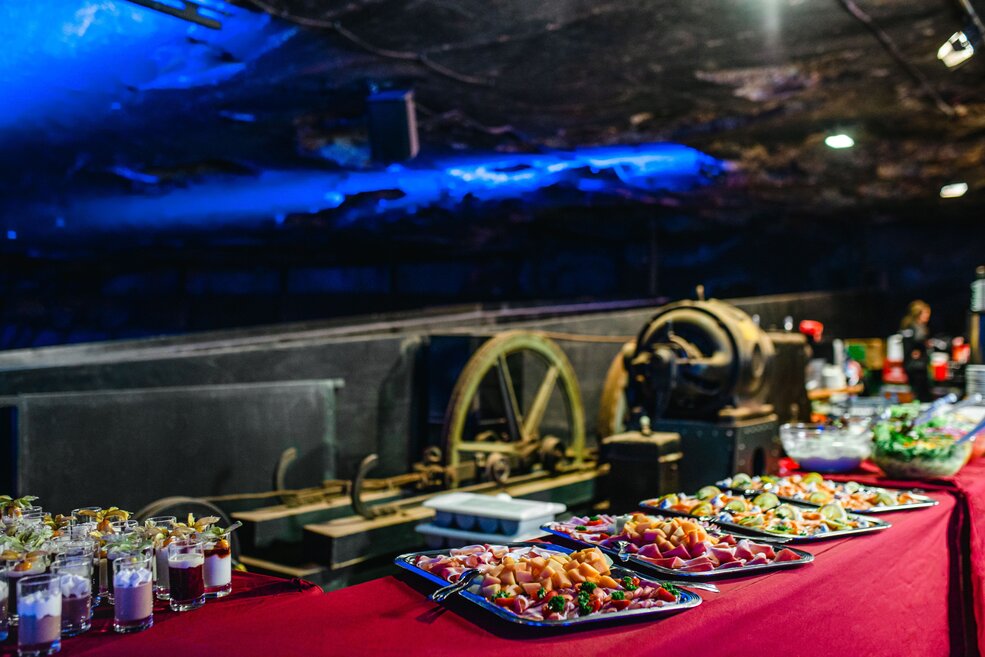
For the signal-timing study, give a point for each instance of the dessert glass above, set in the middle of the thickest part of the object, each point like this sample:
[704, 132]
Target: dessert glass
[39, 606]
[4, 627]
[75, 582]
[134, 593]
[161, 541]
[82, 550]
[24, 565]
[113, 552]
[186, 560]
[218, 570]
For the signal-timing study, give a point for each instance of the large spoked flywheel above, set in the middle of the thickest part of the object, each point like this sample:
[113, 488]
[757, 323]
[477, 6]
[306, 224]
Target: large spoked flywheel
[515, 408]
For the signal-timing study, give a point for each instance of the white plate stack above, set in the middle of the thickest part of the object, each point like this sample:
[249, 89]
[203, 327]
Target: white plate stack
[974, 379]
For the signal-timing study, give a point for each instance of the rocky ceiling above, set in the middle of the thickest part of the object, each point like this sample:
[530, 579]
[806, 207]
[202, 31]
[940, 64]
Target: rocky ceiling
[758, 83]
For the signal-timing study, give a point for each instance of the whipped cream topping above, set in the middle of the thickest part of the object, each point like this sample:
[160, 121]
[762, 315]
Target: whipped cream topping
[132, 578]
[39, 604]
[75, 586]
[185, 560]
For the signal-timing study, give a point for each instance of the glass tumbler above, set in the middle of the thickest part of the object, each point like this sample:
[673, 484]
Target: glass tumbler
[134, 593]
[186, 560]
[39, 606]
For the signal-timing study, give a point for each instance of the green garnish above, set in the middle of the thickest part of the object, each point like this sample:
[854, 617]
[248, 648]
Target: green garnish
[627, 583]
[556, 603]
[542, 593]
[620, 595]
[593, 518]
[501, 594]
[671, 589]
[588, 586]
[584, 603]
[581, 528]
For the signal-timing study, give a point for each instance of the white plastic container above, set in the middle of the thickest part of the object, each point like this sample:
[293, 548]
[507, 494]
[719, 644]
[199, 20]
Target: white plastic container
[439, 537]
[500, 515]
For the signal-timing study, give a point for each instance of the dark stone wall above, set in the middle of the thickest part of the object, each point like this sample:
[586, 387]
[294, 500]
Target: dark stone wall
[562, 254]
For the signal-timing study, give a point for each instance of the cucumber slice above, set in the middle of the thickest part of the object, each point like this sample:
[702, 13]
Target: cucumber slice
[766, 501]
[708, 492]
[812, 478]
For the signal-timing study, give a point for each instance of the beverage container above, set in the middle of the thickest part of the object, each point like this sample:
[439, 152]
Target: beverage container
[186, 561]
[133, 609]
[39, 606]
[75, 582]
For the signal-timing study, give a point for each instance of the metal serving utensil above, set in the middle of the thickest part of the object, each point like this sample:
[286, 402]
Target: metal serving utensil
[463, 581]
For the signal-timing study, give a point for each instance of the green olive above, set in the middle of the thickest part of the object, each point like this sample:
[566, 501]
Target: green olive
[741, 480]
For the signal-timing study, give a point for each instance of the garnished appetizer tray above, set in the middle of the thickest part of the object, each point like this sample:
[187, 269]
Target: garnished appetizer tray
[765, 515]
[677, 547]
[545, 585]
[814, 490]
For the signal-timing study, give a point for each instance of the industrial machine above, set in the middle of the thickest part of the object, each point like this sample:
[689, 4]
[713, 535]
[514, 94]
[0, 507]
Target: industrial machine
[703, 370]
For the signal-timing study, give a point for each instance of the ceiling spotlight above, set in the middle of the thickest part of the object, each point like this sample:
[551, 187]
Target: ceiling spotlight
[840, 140]
[954, 190]
[956, 50]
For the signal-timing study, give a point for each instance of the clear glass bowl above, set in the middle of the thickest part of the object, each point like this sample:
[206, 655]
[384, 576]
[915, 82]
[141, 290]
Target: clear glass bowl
[827, 448]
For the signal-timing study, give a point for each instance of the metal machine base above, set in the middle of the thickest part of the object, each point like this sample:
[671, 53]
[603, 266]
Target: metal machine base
[715, 450]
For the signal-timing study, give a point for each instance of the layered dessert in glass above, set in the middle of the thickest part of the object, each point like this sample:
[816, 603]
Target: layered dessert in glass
[133, 594]
[39, 606]
[218, 570]
[4, 627]
[186, 560]
[76, 586]
[18, 567]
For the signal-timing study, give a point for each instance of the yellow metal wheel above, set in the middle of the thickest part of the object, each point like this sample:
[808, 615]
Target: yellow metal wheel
[518, 433]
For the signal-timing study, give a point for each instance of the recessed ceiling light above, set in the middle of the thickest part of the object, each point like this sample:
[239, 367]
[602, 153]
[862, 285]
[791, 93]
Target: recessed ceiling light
[956, 50]
[839, 141]
[954, 190]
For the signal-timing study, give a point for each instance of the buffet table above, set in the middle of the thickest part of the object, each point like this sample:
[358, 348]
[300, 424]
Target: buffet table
[253, 620]
[906, 590]
[888, 593]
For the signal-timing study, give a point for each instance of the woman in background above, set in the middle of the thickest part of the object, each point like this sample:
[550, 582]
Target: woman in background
[915, 334]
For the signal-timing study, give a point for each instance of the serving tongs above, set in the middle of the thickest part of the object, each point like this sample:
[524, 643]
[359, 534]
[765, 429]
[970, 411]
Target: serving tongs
[463, 582]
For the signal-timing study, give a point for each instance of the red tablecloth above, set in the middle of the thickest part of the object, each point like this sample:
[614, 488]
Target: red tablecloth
[889, 593]
[968, 489]
[235, 625]
[900, 591]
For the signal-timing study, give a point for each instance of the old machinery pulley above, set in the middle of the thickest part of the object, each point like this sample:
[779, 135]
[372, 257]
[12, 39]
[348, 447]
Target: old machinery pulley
[515, 407]
[697, 359]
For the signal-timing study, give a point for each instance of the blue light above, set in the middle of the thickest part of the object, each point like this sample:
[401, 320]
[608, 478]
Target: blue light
[66, 60]
[11, 234]
[251, 200]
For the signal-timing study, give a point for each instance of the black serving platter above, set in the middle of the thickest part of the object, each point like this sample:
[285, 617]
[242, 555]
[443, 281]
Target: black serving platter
[686, 599]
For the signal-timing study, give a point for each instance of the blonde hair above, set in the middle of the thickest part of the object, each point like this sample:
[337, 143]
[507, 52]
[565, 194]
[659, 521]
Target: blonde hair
[913, 312]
